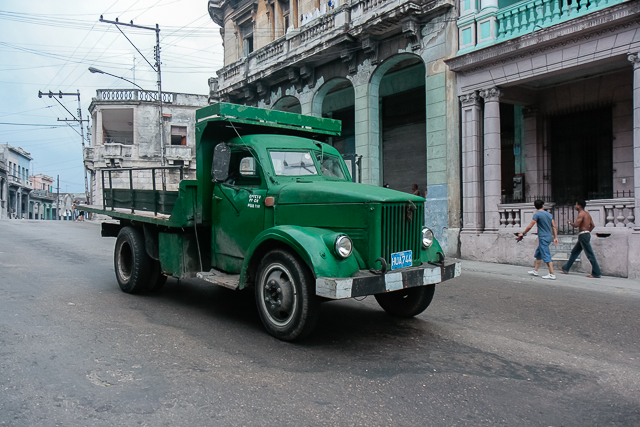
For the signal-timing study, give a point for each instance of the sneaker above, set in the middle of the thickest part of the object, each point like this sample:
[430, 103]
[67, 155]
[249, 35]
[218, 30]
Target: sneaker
[532, 272]
[550, 276]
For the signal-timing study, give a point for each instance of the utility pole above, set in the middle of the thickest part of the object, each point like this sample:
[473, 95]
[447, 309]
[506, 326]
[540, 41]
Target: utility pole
[155, 68]
[60, 94]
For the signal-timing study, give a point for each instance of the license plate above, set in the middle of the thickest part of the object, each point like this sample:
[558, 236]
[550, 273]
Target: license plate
[401, 259]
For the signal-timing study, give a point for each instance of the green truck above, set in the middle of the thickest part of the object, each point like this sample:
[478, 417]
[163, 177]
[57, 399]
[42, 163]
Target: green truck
[275, 210]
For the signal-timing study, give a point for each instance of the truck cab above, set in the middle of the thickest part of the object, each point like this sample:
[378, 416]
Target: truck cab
[274, 209]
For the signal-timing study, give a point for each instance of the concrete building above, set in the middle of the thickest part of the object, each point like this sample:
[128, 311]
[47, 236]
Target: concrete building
[126, 134]
[549, 94]
[18, 163]
[41, 204]
[376, 65]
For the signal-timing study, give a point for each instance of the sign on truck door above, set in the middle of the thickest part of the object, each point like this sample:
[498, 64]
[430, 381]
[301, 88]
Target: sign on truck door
[239, 211]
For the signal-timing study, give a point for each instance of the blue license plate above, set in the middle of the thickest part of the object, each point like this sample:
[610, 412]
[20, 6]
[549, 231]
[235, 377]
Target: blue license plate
[401, 259]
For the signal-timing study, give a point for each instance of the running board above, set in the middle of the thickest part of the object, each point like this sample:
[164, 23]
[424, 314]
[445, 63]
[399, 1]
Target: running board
[230, 281]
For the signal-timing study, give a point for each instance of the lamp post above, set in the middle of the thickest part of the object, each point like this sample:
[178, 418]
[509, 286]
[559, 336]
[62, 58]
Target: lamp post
[96, 71]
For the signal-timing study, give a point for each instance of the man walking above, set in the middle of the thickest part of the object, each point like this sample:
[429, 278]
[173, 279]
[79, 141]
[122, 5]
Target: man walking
[546, 229]
[585, 225]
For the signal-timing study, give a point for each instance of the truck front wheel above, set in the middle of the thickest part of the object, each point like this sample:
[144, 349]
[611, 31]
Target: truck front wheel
[285, 296]
[131, 262]
[407, 302]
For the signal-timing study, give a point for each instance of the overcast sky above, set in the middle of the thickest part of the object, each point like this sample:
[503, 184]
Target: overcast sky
[49, 45]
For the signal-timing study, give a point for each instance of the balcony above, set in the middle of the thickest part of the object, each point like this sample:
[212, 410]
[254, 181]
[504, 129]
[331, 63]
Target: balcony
[491, 25]
[133, 95]
[181, 153]
[331, 33]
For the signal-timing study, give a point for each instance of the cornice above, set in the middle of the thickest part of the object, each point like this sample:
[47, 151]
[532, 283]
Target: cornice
[602, 22]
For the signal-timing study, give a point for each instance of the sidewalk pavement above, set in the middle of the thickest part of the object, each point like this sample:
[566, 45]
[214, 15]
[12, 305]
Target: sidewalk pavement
[519, 273]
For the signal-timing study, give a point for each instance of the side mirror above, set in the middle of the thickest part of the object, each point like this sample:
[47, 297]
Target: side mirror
[221, 160]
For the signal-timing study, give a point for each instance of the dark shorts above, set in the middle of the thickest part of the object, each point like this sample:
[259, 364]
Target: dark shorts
[542, 252]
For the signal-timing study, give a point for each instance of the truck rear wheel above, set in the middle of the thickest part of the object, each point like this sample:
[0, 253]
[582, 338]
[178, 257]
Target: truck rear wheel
[285, 296]
[407, 302]
[131, 262]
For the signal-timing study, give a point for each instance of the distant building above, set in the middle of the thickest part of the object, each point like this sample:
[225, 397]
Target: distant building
[126, 134]
[42, 205]
[18, 163]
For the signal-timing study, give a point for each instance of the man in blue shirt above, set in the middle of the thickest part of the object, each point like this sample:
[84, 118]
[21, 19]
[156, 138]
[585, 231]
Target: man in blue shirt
[546, 229]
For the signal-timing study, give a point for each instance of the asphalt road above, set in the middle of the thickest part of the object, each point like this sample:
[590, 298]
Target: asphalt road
[491, 350]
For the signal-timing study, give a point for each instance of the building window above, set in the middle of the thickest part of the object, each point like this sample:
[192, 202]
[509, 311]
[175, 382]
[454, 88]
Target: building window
[178, 135]
[284, 8]
[246, 34]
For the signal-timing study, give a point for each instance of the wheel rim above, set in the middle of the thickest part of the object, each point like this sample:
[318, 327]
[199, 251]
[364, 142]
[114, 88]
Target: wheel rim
[124, 262]
[279, 298]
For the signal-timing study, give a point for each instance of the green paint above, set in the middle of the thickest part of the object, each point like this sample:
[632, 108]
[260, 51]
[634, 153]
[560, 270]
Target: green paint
[235, 227]
[466, 36]
[485, 30]
[518, 140]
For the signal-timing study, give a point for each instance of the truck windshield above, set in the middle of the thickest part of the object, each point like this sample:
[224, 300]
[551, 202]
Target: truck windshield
[330, 166]
[293, 163]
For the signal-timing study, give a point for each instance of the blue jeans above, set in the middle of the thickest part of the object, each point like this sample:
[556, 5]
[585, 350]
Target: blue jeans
[584, 243]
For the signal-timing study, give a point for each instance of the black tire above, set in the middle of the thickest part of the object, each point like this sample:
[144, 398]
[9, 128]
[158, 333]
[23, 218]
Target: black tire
[131, 262]
[407, 302]
[157, 280]
[286, 296]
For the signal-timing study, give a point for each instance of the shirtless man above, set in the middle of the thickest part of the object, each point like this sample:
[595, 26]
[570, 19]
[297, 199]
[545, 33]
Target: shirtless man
[585, 225]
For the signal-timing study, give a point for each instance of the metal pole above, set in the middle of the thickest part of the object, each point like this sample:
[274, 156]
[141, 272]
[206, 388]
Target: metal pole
[86, 182]
[162, 161]
[58, 200]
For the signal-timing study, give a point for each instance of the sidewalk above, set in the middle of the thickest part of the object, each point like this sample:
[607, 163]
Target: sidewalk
[606, 284]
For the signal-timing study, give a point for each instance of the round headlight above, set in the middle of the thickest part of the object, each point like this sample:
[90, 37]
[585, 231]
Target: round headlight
[427, 237]
[344, 246]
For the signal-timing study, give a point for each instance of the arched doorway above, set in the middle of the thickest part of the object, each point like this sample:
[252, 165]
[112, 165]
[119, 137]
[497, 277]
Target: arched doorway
[402, 95]
[336, 100]
[288, 104]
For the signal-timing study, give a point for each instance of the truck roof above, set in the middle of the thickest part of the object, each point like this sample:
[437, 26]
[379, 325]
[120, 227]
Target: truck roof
[261, 118]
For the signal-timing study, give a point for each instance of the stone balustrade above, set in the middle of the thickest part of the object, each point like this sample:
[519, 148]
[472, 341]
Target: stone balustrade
[133, 95]
[518, 215]
[612, 213]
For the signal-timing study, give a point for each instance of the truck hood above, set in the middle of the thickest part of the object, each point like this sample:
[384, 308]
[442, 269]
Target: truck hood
[325, 192]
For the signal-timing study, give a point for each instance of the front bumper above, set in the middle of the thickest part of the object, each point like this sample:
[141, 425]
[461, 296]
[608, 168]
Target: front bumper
[366, 283]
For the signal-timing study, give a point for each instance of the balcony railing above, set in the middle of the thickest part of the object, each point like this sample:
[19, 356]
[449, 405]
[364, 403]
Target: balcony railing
[133, 95]
[616, 212]
[486, 27]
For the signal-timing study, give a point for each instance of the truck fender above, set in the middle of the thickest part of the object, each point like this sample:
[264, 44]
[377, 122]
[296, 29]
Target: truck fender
[313, 245]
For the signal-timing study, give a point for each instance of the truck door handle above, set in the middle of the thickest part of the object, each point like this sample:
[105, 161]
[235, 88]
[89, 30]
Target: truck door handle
[217, 198]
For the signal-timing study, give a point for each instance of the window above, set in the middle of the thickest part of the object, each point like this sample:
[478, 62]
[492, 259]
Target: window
[293, 163]
[330, 166]
[178, 135]
[246, 34]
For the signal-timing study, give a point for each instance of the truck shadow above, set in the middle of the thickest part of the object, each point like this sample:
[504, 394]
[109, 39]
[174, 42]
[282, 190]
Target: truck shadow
[344, 322]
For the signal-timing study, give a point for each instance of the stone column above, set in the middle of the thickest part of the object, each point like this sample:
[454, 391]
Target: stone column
[472, 162]
[492, 171]
[367, 132]
[635, 60]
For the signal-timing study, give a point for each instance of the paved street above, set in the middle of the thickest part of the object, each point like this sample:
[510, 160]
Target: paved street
[495, 348]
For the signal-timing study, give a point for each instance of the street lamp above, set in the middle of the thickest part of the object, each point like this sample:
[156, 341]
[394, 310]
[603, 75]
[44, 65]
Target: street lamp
[95, 70]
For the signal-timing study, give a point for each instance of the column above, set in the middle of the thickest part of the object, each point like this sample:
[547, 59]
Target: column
[492, 171]
[472, 162]
[367, 132]
[635, 60]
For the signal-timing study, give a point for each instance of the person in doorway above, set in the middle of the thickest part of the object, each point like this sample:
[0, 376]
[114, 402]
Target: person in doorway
[414, 190]
[546, 229]
[585, 225]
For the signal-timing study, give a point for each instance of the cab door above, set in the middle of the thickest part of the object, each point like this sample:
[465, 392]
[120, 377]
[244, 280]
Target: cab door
[238, 207]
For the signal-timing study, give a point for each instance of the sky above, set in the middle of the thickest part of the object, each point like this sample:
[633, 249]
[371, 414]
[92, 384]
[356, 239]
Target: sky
[49, 45]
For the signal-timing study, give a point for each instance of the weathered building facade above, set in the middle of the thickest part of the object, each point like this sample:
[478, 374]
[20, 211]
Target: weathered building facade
[549, 94]
[126, 133]
[18, 163]
[41, 204]
[377, 65]
[3, 186]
